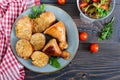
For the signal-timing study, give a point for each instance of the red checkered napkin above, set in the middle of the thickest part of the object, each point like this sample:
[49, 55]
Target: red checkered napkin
[10, 68]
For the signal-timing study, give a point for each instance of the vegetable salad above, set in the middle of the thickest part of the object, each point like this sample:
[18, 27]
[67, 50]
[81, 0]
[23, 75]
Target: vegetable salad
[95, 8]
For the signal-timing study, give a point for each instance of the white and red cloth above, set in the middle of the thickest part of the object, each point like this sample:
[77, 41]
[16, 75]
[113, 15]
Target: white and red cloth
[10, 68]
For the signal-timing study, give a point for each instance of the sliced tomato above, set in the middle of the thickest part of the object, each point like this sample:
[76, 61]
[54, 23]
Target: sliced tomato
[83, 4]
[95, 0]
[105, 7]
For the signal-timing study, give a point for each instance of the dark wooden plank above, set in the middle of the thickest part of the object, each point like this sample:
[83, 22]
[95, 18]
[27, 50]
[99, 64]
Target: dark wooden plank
[86, 66]
[73, 11]
[55, 1]
[68, 1]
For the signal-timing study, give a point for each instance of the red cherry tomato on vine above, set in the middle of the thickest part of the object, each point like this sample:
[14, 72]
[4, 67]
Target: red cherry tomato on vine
[61, 1]
[83, 36]
[94, 47]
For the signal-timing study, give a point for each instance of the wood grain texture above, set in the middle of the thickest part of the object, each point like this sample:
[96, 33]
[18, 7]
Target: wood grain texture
[105, 65]
[86, 66]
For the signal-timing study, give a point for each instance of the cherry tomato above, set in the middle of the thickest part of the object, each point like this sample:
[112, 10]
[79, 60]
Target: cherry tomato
[83, 36]
[105, 7]
[94, 47]
[61, 1]
[83, 4]
[95, 0]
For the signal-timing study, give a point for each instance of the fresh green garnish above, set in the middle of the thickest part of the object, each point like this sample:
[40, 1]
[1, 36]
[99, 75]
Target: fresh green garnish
[107, 30]
[36, 11]
[102, 12]
[54, 62]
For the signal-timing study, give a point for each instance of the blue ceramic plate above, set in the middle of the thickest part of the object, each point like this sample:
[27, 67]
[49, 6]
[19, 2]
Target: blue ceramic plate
[72, 38]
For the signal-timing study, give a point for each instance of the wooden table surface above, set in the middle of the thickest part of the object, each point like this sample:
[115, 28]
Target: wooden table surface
[105, 65]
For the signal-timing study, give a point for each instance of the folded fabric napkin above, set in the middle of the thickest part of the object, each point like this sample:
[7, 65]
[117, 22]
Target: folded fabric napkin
[10, 68]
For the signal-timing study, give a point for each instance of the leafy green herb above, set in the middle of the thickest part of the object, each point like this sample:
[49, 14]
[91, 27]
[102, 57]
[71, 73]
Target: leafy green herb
[41, 9]
[54, 62]
[36, 11]
[107, 30]
[102, 12]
